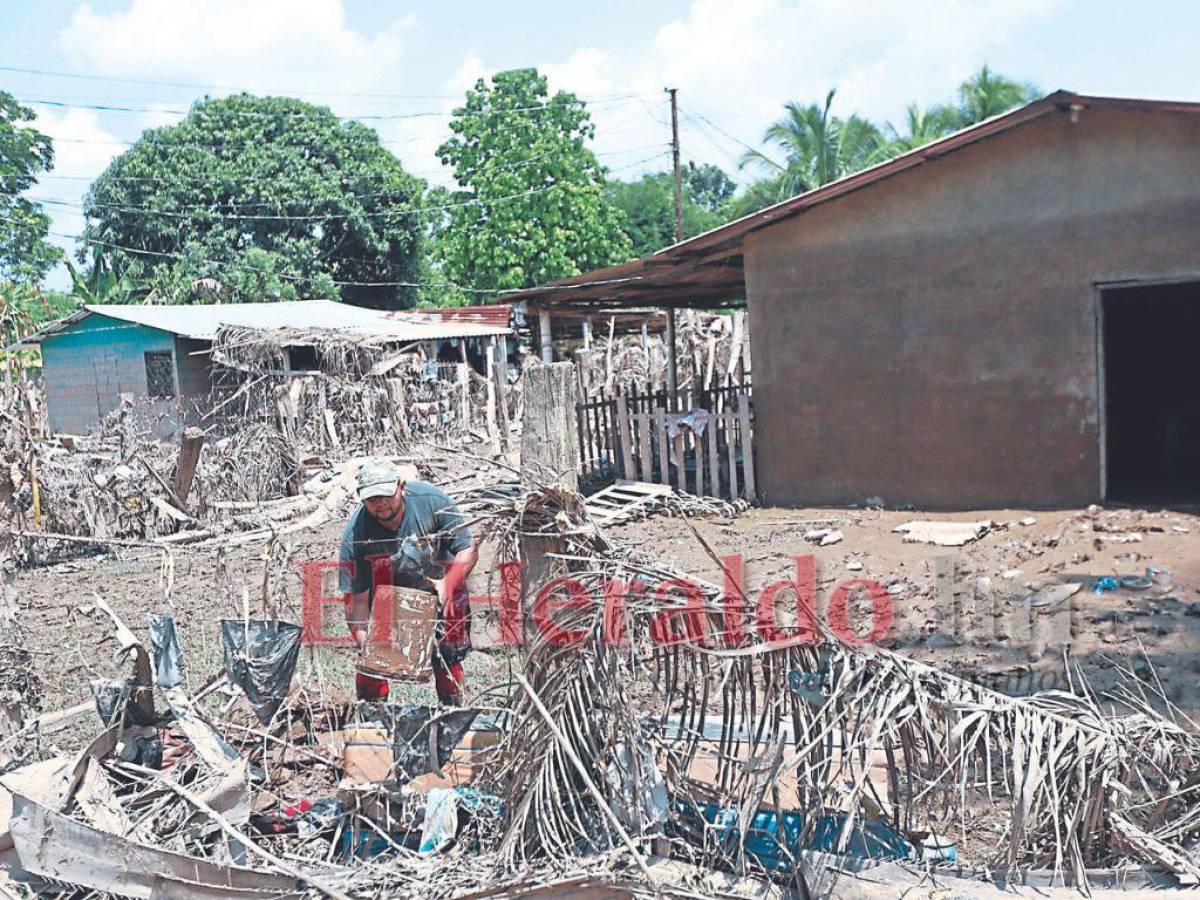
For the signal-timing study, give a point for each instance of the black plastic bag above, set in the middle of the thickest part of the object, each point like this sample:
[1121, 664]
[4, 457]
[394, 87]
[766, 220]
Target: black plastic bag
[264, 669]
[165, 651]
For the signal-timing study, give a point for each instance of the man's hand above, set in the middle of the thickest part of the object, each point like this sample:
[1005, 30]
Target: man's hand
[358, 613]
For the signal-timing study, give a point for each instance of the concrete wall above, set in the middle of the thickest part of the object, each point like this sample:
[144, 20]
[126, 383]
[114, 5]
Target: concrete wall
[932, 338]
[86, 369]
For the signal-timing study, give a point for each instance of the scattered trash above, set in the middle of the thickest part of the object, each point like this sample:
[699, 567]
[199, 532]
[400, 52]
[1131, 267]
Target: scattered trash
[943, 534]
[823, 537]
[165, 650]
[1105, 584]
[854, 565]
[1028, 520]
[260, 658]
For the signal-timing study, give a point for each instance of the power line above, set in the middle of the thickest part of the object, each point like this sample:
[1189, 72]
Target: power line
[738, 141]
[175, 179]
[225, 87]
[310, 278]
[615, 103]
[313, 217]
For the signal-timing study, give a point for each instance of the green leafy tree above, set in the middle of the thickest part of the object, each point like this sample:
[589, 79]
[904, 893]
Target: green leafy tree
[261, 198]
[649, 205]
[532, 206]
[986, 94]
[816, 147]
[706, 185]
[25, 255]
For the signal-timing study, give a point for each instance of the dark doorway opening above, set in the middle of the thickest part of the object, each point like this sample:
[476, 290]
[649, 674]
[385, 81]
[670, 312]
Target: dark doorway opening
[1152, 407]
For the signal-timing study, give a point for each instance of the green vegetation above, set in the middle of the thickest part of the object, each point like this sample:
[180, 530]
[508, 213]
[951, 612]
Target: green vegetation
[532, 207]
[260, 198]
[649, 205]
[270, 198]
[25, 255]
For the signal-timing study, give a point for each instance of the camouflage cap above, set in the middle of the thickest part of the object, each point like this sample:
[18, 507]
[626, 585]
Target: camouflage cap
[378, 478]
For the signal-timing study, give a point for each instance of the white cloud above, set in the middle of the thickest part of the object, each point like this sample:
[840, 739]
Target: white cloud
[261, 45]
[738, 63]
[82, 150]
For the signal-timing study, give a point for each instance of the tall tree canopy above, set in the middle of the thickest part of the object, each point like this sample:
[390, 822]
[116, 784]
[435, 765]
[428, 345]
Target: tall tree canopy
[260, 198]
[533, 206]
[25, 255]
[649, 205]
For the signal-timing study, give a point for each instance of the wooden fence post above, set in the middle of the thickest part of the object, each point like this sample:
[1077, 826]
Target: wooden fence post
[190, 444]
[747, 447]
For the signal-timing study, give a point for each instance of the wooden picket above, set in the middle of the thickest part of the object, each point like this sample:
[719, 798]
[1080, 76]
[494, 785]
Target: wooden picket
[627, 437]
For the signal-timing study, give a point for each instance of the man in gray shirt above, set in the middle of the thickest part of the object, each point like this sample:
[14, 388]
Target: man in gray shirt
[412, 531]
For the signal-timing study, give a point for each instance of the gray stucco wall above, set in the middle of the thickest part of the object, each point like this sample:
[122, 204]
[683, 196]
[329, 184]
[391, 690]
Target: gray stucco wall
[86, 368]
[932, 338]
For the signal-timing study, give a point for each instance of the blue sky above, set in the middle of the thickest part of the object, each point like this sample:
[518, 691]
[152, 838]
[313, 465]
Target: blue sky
[734, 63]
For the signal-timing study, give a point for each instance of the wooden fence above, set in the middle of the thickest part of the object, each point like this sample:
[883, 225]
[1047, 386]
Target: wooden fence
[704, 447]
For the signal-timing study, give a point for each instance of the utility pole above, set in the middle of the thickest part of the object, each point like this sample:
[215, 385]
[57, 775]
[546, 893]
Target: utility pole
[675, 160]
[672, 383]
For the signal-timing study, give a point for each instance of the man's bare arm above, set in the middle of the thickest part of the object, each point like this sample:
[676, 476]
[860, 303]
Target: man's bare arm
[458, 571]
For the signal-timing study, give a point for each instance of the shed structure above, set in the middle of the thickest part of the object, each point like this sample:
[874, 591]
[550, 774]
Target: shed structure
[1003, 317]
[162, 354]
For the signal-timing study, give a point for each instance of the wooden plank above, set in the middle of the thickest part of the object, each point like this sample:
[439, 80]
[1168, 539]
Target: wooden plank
[664, 447]
[698, 441]
[625, 427]
[498, 370]
[490, 415]
[731, 451]
[680, 470]
[747, 447]
[645, 459]
[714, 461]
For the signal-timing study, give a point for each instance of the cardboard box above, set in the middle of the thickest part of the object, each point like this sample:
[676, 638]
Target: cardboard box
[365, 750]
[407, 654]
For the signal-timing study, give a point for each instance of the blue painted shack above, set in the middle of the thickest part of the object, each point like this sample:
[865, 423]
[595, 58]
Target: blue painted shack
[161, 356]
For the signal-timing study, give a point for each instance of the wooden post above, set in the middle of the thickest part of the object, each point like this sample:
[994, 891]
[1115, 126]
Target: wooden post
[644, 422]
[672, 376]
[645, 336]
[499, 370]
[399, 407]
[625, 431]
[550, 457]
[464, 385]
[664, 446]
[731, 451]
[547, 340]
[698, 443]
[190, 444]
[493, 434]
[747, 447]
[680, 468]
[549, 452]
[714, 462]
[587, 334]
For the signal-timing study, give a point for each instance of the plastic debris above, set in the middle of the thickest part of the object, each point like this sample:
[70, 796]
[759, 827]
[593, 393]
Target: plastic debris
[260, 658]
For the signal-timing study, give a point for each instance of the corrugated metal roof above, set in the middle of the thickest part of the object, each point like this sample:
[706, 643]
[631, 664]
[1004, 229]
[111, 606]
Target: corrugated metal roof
[497, 315]
[201, 321]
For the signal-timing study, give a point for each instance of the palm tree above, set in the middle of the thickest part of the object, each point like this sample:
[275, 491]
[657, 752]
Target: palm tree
[986, 94]
[921, 127]
[817, 148]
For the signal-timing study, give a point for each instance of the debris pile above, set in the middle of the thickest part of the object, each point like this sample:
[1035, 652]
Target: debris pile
[648, 716]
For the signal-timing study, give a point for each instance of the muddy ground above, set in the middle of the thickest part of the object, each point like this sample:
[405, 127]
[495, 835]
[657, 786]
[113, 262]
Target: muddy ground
[1155, 630]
